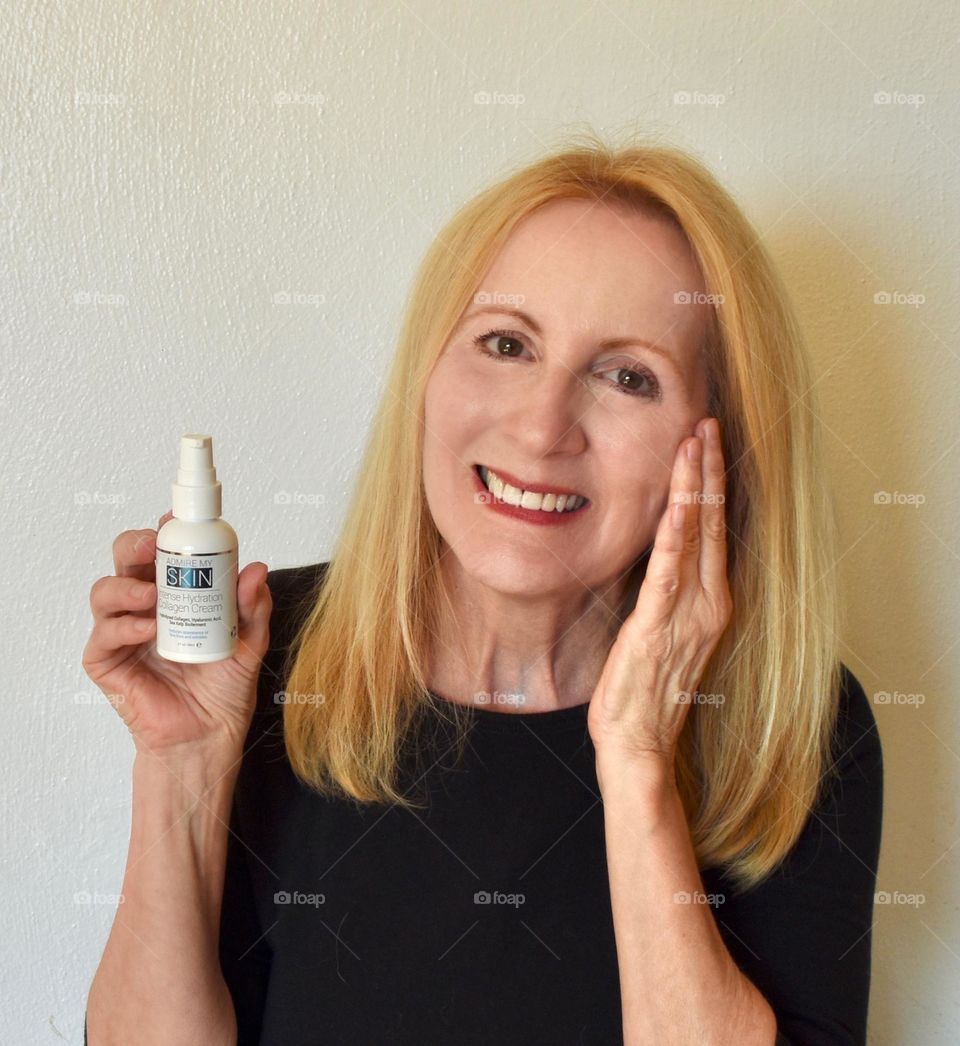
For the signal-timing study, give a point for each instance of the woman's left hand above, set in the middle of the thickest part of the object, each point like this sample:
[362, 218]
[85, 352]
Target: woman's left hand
[658, 658]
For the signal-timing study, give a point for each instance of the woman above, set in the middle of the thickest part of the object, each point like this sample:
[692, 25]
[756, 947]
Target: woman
[557, 746]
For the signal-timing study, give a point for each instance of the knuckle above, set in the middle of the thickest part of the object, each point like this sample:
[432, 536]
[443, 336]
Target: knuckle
[87, 661]
[723, 611]
[120, 543]
[97, 592]
[716, 528]
[666, 584]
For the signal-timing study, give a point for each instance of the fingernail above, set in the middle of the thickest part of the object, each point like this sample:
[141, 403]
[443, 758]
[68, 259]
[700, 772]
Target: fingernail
[677, 517]
[693, 450]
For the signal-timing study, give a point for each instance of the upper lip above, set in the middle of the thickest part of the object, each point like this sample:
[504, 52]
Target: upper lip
[534, 488]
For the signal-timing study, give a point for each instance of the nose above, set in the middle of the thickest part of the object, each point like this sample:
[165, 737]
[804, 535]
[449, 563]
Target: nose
[547, 418]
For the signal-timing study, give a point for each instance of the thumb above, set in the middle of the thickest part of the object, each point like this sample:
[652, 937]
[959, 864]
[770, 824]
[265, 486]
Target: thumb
[253, 612]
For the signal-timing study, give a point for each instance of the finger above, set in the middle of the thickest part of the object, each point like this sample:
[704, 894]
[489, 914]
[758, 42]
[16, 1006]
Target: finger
[685, 486]
[165, 518]
[110, 596]
[713, 515]
[662, 580]
[115, 633]
[134, 552]
[254, 603]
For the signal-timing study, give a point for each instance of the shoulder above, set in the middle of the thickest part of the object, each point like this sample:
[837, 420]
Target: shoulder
[293, 591]
[857, 750]
[849, 813]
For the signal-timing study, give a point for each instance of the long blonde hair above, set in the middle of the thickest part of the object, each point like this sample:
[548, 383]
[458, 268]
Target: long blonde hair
[748, 768]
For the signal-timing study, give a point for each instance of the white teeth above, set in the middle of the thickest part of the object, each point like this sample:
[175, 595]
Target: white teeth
[526, 498]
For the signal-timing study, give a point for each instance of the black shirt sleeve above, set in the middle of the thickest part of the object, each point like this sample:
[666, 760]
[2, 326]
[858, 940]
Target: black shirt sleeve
[805, 932]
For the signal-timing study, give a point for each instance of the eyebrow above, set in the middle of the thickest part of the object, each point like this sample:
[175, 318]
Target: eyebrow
[610, 343]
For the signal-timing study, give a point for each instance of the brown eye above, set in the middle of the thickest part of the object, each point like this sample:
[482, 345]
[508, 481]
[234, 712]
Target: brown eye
[636, 382]
[508, 345]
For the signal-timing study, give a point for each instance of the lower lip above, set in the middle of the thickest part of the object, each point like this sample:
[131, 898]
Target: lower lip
[528, 515]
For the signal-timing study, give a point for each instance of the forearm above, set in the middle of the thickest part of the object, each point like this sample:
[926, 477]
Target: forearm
[159, 979]
[678, 982]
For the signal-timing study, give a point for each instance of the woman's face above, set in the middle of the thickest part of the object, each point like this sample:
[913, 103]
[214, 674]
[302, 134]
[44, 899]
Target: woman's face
[567, 396]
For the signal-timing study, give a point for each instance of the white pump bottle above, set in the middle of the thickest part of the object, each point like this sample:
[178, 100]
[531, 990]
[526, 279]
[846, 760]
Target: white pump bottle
[197, 559]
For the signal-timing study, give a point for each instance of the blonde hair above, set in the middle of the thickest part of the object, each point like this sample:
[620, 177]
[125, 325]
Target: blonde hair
[749, 768]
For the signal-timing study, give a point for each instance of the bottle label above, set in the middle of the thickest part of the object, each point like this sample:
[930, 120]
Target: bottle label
[196, 605]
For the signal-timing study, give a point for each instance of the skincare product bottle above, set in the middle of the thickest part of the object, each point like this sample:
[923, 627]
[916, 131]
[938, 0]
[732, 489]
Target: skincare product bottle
[196, 564]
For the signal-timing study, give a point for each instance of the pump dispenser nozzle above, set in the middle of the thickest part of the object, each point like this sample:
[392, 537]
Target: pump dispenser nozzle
[196, 492]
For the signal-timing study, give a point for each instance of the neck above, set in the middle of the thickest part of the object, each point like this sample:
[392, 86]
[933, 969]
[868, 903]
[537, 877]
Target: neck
[531, 652]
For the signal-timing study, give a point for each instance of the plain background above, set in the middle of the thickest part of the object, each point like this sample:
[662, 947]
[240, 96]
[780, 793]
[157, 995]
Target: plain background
[171, 171]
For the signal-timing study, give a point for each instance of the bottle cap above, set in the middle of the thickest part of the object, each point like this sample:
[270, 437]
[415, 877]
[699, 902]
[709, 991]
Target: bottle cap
[196, 492]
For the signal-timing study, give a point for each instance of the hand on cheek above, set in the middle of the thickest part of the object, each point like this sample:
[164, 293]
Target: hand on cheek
[682, 609]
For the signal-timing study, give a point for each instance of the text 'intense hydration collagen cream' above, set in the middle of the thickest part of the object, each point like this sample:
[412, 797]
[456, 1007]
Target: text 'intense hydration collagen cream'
[196, 564]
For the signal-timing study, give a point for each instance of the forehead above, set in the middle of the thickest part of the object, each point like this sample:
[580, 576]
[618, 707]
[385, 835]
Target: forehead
[578, 265]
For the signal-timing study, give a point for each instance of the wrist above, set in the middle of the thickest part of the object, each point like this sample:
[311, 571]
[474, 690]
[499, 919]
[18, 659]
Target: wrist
[637, 773]
[187, 774]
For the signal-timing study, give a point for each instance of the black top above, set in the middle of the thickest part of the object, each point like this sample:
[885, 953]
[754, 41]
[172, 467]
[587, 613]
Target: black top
[485, 917]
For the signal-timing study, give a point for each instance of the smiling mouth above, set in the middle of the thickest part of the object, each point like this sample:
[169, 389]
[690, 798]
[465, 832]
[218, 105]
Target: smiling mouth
[535, 500]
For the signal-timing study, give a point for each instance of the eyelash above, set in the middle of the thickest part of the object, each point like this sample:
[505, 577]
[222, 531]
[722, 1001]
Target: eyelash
[481, 340]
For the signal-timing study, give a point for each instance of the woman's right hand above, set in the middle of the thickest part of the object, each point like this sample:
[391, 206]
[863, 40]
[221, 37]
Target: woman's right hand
[170, 707]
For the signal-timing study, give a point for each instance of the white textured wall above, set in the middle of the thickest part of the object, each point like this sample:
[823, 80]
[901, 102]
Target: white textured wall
[148, 166]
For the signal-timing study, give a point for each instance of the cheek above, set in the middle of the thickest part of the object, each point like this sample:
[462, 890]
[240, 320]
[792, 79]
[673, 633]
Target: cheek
[640, 468]
[643, 449]
[458, 398]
